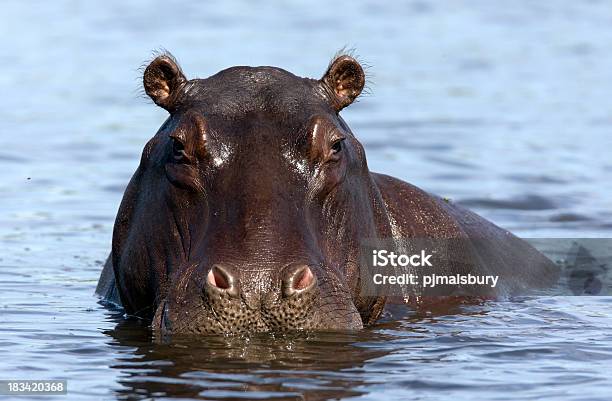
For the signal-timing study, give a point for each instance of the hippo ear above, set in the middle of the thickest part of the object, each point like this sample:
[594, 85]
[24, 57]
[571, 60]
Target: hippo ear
[345, 78]
[162, 81]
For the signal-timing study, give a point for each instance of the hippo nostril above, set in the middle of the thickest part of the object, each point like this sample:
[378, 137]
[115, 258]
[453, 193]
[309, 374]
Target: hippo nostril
[217, 278]
[220, 278]
[303, 280]
[298, 278]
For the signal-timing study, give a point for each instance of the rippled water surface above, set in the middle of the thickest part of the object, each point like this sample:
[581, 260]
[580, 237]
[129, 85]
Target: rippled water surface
[504, 108]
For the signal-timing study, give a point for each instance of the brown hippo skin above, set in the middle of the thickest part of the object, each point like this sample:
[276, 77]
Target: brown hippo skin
[250, 204]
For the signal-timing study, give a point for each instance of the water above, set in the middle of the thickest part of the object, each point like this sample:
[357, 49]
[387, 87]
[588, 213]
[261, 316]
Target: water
[506, 108]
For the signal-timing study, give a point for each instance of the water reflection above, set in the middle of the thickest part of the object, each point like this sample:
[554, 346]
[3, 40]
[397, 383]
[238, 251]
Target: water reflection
[313, 366]
[283, 366]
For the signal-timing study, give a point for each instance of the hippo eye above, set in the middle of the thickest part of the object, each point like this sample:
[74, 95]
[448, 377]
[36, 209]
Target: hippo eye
[178, 150]
[337, 146]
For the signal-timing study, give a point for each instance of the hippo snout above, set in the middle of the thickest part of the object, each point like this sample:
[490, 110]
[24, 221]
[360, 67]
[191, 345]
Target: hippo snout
[234, 300]
[243, 300]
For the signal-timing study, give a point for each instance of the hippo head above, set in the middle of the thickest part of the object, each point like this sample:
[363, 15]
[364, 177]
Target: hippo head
[249, 204]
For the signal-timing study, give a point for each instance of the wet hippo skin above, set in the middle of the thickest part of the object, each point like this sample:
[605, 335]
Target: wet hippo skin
[250, 204]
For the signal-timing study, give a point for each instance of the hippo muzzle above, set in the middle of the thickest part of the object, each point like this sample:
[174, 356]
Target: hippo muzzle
[295, 302]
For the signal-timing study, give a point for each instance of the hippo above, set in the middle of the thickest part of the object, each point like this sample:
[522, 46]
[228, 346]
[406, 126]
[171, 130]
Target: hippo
[250, 205]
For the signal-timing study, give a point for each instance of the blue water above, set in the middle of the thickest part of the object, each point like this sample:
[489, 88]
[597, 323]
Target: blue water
[506, 108]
